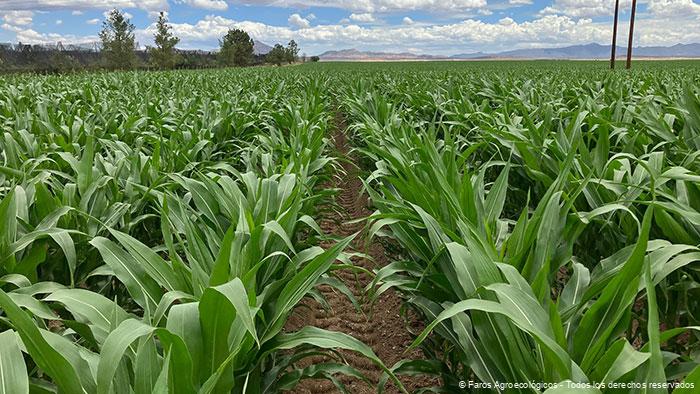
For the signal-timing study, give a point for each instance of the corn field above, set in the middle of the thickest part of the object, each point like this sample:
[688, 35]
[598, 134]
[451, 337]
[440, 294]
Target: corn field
[541, 222]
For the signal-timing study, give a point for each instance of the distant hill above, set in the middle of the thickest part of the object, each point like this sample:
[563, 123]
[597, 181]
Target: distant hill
[355, 55]
[591, 51]
[260, 48]
[588, 51]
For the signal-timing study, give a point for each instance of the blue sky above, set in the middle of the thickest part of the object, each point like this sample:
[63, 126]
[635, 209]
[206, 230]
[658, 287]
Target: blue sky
[419, 26]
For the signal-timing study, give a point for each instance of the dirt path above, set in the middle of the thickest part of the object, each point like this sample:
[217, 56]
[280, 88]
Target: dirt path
[385, 329]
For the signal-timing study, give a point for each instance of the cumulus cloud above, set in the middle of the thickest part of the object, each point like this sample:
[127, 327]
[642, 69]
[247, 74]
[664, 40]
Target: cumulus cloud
[213, 27]
[216, 5]
[47, 5]
[674, 8]
[364, 17]
[470, 34]
[584, 8]
[92, 21]
[507, 21]
[356, 6]
[126, 14]
[17, 18]
[297, 21]
[376, 6]
[466, 35]
[31, 36]
[77, 13]
[520, 2]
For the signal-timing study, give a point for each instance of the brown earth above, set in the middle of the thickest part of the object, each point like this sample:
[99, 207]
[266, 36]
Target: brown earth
[385, 330]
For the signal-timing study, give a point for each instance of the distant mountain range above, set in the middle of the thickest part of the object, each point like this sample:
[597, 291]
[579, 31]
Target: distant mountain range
[575, 52]
[354, 54]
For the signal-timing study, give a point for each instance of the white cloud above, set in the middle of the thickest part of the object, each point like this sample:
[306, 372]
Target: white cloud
[361, 6]
[126, 14]
[297, 21]
[407, 21]
[77, 13]
[78, 5]
[311, 17]
[17, 18]
[674, 8]
[584, 8]
[507, 21]
[216, 5]
[465, 36]
[364, 17]
[30, 36]
[520, 2]
[59, 22]
[93, 21]
[544, 30]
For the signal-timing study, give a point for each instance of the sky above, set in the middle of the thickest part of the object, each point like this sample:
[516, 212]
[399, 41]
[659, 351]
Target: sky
[441, 27]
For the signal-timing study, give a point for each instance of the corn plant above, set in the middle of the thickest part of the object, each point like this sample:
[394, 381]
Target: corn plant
[499, 255]
[160, 245]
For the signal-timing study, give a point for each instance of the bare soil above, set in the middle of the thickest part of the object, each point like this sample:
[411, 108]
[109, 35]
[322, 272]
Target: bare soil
[385, 330]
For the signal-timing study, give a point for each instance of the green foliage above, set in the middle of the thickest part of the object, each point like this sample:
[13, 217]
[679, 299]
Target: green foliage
[118, 41]
[544, 215]
[280, 54]
[292, 52]
[163, 246]
[277, 55]
[236, 49]
[163, 55]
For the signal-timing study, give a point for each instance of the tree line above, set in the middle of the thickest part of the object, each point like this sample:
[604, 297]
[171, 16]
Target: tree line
[118, 51]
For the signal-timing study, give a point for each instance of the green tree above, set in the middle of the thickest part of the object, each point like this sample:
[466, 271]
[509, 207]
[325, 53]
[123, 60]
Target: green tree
[315, 59]
[236, 49]
[163, 55]
[118, 41]
[277, 55]
[292, 52]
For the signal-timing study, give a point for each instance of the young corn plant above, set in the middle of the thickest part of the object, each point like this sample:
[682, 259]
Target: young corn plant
[490, 285]
[160, 245]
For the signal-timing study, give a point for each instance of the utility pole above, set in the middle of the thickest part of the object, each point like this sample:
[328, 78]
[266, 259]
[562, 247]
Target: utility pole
[614, 36]
[629, 45]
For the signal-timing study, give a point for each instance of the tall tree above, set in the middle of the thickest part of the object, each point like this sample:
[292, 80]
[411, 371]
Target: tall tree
[292, 52]
[277, 55]
[118, 41]
[236, 48]
[163, 55]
